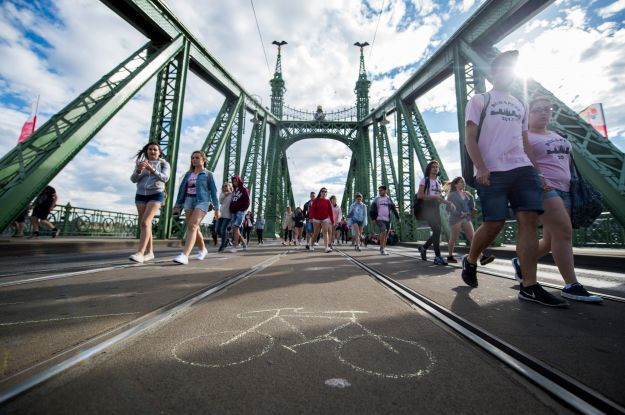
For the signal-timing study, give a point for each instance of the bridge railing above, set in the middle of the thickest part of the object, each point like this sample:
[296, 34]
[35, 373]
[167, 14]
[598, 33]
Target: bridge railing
[294, 114]
[605, 232]
[77, 221]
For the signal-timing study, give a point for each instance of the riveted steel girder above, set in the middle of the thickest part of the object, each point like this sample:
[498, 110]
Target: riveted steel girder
[406, 174]
[220, 131]
[388, 176]
[343, 131]
[253, 166]
[166, 126]
[232, 163]
[32, 164]
[275, 149]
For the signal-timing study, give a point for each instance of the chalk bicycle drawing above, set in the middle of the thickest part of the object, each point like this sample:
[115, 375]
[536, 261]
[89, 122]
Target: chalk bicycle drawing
[401, 353]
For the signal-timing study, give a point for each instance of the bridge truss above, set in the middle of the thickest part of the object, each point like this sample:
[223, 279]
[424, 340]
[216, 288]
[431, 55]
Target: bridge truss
[172, 51]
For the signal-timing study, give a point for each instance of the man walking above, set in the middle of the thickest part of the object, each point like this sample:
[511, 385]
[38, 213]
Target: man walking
[506, 175]
[380, 212]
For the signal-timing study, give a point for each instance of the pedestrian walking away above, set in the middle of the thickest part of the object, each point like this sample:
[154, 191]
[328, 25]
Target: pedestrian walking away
[506, 175]
[225, 197]
[238, 206]
[20, 223]
[151, 173]
[553, 156]
[357, 216]
[287, 226]
[44, 204]
[196, 193]
[430, 197]
[247, 225]
[322, 217]
[298, 218]
[380, 212]
[260, 227]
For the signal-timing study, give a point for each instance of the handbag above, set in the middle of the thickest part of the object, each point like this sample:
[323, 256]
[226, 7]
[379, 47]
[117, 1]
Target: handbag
[586, 205]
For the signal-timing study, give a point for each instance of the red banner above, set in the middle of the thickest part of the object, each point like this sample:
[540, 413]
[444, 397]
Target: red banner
[593, 115]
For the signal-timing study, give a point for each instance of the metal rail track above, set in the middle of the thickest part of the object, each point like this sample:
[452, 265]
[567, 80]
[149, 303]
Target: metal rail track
[45, 370]
[481, 270]
[563, 387]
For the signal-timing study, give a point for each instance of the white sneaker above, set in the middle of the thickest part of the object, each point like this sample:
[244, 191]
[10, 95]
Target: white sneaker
[328, 249]
[148, 257]
[201, 255]
[245, 247]
[283, 243]
[232, 250]
[312, 247]
[137, 258]
[181, 259]
[384, 252]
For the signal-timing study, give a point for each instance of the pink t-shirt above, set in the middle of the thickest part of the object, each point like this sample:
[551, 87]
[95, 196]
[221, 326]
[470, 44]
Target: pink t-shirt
[191, 189]
[500, 141]
[383, 209]
[434, 189]
[553, 155]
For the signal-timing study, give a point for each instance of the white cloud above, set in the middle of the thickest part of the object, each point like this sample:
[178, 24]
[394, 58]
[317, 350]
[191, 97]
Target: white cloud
[612, 9]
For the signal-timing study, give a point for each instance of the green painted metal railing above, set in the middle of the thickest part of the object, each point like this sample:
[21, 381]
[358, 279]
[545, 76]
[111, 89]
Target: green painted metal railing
[77, 221]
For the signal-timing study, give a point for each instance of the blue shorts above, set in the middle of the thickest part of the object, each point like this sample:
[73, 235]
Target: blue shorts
[191, 203]
[383, 225]
[309, 227]
[357, 222]
[237, 219]
[156, 197]
[520, 188]
[565, 196]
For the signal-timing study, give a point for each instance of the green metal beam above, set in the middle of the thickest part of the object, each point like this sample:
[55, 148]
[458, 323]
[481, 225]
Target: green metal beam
[166, 126]
[254, 164]
[232, 163]
[32, 164]
[406, 175]
[220, 131]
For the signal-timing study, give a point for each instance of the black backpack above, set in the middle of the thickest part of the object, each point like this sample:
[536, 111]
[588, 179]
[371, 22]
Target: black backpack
[467, 165]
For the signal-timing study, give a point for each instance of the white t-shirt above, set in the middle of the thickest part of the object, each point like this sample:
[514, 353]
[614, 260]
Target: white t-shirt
[434, 189]
[500, 141]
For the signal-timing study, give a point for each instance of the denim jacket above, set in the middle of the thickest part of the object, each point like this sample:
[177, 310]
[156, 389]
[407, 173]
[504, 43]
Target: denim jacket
[358, 212]
[206, 189]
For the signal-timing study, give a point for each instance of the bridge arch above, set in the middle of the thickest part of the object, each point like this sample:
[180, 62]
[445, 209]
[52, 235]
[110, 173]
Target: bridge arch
[292, 139]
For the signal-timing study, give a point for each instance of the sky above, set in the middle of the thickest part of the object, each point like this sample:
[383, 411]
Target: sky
[57, 49]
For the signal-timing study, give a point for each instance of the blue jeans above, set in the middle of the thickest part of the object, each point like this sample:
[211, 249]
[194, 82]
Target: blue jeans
[222, 230]
[565, 196]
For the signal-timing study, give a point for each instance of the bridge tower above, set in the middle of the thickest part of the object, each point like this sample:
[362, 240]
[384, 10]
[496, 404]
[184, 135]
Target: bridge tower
[277, 83]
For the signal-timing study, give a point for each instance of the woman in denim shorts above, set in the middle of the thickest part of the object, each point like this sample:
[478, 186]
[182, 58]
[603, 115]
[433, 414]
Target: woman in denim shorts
[151, 173]
[197, 191]
[553, 157]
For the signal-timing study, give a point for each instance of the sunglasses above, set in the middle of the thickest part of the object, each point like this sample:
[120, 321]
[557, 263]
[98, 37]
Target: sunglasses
[323, 191]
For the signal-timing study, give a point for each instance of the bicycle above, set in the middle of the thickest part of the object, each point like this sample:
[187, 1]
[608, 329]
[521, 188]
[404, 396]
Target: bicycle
[392, 351]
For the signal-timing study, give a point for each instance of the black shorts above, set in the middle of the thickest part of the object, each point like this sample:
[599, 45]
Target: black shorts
[22, 216]
[41, 212]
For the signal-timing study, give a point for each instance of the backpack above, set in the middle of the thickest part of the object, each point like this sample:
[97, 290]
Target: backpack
[467, 163]
[419, 204]
[586, 203]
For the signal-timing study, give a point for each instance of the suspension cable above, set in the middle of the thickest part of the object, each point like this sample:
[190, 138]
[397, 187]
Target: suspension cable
[261, 37]
[376, 29]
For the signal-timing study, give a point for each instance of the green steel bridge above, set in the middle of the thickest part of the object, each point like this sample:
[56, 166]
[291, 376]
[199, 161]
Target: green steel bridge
[173, 50]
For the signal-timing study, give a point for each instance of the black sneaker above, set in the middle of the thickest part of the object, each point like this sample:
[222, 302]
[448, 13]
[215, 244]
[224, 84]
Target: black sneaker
[469, 272]
[486, 259]
[538, 294]
[579, 293]
[423, 253]
[451, 259]
[516, 264]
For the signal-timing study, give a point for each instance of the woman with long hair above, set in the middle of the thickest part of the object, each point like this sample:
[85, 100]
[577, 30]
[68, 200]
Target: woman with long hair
[287, 226]
[225, 197]
[358, 219]
[430, 194]
[197, 191]
[322, 218]
[150, 174]
[298, 218]
[338, 215]
[553, 158]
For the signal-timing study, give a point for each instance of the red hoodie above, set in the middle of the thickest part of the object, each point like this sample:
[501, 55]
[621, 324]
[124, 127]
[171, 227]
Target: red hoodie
[321, 209]
[240, 197]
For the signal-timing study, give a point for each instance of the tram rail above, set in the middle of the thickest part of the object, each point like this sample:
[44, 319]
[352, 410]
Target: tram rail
[558, 384]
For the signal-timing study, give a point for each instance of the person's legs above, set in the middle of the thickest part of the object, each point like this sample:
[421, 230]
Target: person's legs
[327, 234]
[527, 245]
[47, 224]
[453, 237]
[467, 228]
[557, 226]
[315, 234]
[483, 237]
[237, 235]
[146, 216]
[193, 230]
[34, 222]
